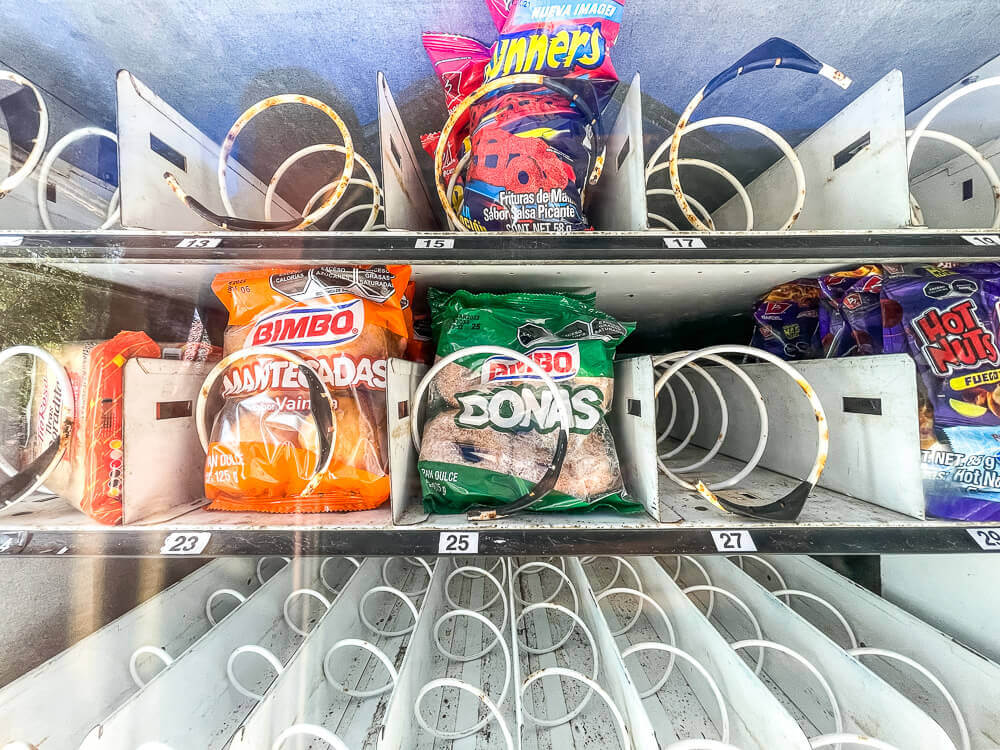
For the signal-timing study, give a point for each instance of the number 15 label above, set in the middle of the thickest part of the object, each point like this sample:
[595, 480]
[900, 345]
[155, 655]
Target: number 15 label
[988, 539]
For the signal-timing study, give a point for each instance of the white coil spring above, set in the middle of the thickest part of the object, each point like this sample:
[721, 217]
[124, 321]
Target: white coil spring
[11, 181]
[493, 706]
[670, 648]
[671, 366]
[113, 211]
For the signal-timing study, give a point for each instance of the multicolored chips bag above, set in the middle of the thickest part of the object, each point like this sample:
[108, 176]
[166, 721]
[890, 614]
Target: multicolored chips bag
[491, 428]
[787, 320]
[533, 148]
[90, 475]
[345, 322]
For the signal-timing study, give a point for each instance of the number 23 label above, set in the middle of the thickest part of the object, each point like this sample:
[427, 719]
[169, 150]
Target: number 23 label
[185, 543]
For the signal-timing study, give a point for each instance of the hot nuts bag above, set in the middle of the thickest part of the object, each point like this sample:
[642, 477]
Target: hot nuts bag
[345, 322]
[491, 426]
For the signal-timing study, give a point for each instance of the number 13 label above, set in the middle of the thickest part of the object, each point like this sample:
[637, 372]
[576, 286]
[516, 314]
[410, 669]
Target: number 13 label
[988, 539]
[458, 543]
[734, 541]
[185, 543]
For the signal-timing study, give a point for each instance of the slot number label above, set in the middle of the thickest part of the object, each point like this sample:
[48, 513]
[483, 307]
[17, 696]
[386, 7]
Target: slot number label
[684, 243]
[458, 543]
[185, 543]
[200, 242]
[982, 240]
[733, 541]
[434, 243]
[987, 539]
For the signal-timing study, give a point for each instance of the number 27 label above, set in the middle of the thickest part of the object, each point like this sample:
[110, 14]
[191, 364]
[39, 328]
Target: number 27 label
[458, 543]
[734, 541]
[987, 539]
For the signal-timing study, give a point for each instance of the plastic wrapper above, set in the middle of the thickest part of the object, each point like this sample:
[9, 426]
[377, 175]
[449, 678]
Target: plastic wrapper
[787, 321]
[533, 148]
[91, 473]
[490, 428]
[345, 322]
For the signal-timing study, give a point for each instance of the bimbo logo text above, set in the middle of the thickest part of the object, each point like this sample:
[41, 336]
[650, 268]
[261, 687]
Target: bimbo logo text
[311, 326]
[559, 362]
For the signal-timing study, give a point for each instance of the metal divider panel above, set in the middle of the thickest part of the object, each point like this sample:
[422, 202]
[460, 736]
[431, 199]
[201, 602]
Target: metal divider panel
[407, 200]
[614, 676]
[191, 703]
[973, 680]
[867, 703]
[855, 170]
[619, 201]
[633, 423]
[402, 378]
[423, 663]
[154, 138]
[302, 694]
[871, 408]
[91, 678]
[757, 720]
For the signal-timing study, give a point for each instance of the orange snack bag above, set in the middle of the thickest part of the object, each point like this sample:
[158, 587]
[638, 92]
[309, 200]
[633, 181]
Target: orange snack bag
[345, 322]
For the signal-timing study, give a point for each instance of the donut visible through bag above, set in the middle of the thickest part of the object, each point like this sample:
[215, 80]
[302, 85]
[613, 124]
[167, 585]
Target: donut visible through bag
[345, 323]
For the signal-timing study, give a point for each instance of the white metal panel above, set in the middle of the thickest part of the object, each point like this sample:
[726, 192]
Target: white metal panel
[163, 461]
[619, 200]
[940, 192]
[633, 424]
[80, 198]
[407, 201]
[862, 446]
[303, 695]
[869, 191]
[402, 379]
[191, 703]
[757, 720]
[868, 704]
[147, 200]
[956, 593]
[972, 680]
[88, 680]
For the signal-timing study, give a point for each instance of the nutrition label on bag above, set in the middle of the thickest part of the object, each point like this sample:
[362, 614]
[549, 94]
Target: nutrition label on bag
[987, 539]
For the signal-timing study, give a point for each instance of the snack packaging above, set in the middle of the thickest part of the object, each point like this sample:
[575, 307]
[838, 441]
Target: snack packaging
[345, 322]
[532, 149]
[90, 474]
[946, 319]
[787, 321]
[850, 314]
[490, 426]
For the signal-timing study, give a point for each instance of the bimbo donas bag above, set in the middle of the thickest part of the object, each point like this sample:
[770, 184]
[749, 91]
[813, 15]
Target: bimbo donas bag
[267, 440]
[491, 426]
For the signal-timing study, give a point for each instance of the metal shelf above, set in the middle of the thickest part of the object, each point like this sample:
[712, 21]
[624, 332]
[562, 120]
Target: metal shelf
[438, 247]
[830, 524]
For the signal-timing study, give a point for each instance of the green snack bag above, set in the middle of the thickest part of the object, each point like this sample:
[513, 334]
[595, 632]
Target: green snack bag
[491, 425]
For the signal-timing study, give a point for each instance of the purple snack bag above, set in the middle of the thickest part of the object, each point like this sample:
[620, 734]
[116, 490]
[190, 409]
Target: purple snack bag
[787, 321]
[850, 315]
[946, 319]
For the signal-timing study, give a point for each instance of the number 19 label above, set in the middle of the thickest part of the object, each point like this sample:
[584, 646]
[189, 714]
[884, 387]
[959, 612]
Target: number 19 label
[458, 543]
[987, 539]
[734, 541]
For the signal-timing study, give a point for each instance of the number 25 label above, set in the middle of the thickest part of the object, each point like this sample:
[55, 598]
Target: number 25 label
[458, 543]
[987, 539]
[734, 541]
[185, 543]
